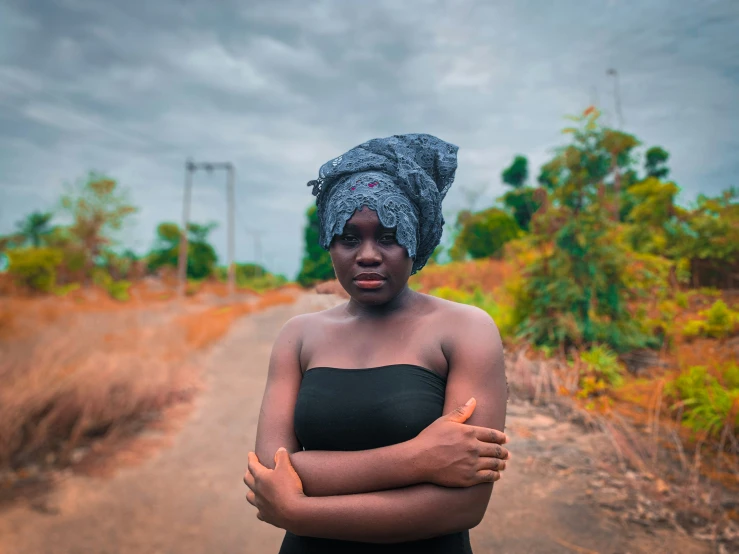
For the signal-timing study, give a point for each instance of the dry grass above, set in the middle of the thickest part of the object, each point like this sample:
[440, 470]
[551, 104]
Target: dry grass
[82, 367]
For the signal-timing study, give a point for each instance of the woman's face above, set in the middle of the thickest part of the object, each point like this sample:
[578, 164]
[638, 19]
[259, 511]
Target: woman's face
[369, 263]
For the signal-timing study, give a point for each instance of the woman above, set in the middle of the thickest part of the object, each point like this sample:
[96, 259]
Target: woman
[352, 452]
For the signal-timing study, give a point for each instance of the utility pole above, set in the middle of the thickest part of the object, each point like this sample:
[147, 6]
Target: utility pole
[190, 168]
[231, 225]
[617, 97]
[182, 259]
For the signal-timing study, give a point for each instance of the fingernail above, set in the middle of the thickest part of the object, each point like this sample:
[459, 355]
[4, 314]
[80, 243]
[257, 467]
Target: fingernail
[470, 401]
[282, 448]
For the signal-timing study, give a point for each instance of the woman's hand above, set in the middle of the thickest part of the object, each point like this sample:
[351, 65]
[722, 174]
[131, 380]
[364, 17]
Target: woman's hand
[454, 454]
[276, 493]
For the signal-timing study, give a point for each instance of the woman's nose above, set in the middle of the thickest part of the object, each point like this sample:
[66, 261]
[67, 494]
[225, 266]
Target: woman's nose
[368, 253]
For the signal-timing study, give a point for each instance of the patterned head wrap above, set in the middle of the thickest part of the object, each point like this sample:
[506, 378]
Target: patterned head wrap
[403, 178]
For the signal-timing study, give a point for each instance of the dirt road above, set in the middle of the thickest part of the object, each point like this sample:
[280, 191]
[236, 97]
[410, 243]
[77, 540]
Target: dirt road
[188, 498]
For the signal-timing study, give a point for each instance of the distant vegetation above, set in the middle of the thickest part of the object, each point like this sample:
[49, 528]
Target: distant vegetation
[48, 258]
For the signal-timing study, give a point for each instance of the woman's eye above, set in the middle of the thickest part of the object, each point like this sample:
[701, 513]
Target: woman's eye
[388, 238]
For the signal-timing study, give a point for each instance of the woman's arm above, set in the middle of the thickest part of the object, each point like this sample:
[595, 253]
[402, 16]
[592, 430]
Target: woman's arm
[475, 355]
[413, 513]
[399, 465]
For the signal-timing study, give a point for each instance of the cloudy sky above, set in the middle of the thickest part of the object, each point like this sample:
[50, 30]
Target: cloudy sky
[133, 88]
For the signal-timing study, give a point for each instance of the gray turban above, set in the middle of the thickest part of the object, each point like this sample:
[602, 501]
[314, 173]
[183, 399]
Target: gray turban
[403, 178]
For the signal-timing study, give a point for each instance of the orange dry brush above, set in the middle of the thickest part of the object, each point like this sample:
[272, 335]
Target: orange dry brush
[72, 372]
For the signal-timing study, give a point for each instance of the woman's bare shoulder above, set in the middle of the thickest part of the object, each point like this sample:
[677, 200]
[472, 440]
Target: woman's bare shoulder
[309, 320]
[455, 313]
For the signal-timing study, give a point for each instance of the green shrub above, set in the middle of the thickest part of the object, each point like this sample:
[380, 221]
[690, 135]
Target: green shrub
[118, 290]
[35, 268]
[708, 404]
[730, 376]
[720, 321]
[708, 291]
[601, 362]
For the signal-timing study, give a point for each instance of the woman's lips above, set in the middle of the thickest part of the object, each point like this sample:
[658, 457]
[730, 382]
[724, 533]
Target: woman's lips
[369, 283]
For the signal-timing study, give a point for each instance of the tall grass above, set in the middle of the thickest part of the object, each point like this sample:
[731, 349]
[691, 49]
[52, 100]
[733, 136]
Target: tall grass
[73, 373]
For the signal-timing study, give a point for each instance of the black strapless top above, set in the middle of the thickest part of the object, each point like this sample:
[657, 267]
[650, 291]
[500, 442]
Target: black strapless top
[361, 409]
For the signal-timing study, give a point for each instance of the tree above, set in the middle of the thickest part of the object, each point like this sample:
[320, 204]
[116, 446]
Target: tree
[483, 234]
[316, 265]
[655, 163]
[711, 230]
[34, 227]
[521, 200]
[654, 217]
[576, 291]
[201, 256]
[516, 174]
[98, 208]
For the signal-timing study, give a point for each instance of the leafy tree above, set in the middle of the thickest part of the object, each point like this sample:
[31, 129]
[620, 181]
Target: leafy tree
[654, 218]
[98, 208]
[708, 236]
[34, 227]
[516, 174]
[201, 256]
[483, 234]
[521, 200]
[316, 265]
[576, 290]
[655, 163]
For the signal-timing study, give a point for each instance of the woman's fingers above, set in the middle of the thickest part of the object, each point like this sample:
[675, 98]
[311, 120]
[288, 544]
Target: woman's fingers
[249, 479]
[489, 450]
[488, 476]
[254, 466]
[251, 498]
[486, 434]
[494, 464]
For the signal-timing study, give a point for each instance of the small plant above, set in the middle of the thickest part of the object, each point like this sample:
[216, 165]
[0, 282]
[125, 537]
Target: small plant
[602, 362]
[590, 386]
[720, 321]
[118, 290]
[600, 370]
[708, 405]
[682, 300]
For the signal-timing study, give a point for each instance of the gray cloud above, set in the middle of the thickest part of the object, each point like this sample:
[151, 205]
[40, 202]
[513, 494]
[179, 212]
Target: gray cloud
[132, 89]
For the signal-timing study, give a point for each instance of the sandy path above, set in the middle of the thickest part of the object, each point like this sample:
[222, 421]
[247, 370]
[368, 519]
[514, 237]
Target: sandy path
[188, 498]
